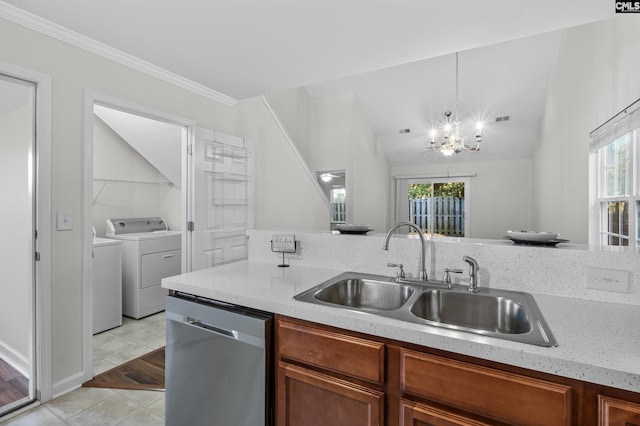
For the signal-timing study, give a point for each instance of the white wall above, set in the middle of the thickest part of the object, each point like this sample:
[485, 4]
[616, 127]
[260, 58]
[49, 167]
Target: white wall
[370, 174]
[333, 133]
[16, 139]
[293, 106]
[159, 142]
[500, 193]
[596, 77]
[115, 159]
[279, 178]
[284, 196]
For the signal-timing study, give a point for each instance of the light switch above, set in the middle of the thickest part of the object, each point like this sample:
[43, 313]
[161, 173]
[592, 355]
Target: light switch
[607, 279]
[64, 220]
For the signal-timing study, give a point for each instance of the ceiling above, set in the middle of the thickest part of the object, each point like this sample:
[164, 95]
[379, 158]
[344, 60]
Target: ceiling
[246, 48]
[504, 79]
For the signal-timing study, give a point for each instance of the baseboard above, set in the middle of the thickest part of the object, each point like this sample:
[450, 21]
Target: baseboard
[68, 384]
[14, 359]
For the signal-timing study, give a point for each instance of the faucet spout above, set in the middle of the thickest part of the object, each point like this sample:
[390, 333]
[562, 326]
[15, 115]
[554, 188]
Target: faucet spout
[385, 246]
[473, 273]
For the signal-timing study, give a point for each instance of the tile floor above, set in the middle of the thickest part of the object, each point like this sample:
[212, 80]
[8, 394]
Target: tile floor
[95, 406]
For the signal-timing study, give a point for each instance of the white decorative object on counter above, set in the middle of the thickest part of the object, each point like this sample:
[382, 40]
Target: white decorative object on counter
[347, 228]
[537, 236]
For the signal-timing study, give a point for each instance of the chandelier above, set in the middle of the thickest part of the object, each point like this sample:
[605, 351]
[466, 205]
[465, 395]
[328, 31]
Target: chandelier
[447, 139]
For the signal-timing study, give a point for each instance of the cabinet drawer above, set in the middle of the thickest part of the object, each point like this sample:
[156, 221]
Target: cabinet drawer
[617, 412]
[502, 396]
[359, 358]
[415, 414]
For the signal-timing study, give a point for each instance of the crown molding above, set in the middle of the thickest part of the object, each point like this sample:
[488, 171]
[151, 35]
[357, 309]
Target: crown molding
[36, 23]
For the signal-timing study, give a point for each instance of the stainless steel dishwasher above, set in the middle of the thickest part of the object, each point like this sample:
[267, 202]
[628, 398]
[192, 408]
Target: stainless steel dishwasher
[218, 363]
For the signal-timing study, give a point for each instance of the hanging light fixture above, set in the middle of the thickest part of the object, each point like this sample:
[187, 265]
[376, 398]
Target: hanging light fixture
[326, 177]
[447, 139]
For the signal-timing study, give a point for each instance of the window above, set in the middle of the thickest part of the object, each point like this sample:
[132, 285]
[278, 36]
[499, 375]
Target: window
[615, 155]
[438, 205]
[338, 206]
[333, 184]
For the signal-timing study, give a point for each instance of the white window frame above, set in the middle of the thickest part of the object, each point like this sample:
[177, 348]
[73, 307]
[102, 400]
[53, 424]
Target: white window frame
[627, 122]
[335, 194]
[401, 190]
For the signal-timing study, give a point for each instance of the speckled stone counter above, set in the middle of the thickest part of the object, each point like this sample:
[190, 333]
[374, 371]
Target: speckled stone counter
[599, 341]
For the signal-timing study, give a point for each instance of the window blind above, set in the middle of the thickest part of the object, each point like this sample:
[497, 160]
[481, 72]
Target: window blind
[620, 124]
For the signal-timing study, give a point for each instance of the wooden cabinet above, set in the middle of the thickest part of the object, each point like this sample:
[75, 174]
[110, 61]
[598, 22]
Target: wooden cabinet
[309, 398]
[490, 393]
[416, 414]
[327, 378]
[617, 412]
[347, 355]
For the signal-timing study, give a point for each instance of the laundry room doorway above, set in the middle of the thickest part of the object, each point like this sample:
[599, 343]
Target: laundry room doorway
[136, 174]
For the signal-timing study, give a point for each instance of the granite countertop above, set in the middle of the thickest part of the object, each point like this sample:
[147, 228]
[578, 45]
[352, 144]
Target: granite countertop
[599, 342]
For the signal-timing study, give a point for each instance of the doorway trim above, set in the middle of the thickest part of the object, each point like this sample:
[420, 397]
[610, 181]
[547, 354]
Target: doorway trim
[42, 353]
[91, 98]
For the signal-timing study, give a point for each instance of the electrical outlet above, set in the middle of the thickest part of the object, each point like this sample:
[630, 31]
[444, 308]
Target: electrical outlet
[64, 220]
[607, 279]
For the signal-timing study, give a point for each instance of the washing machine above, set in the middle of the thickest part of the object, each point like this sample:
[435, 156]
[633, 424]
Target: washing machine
[106, 284]
[150, 252]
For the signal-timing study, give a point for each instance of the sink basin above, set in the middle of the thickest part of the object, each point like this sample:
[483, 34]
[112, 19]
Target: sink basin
[496, 314]
[503, 314]
[364, 293]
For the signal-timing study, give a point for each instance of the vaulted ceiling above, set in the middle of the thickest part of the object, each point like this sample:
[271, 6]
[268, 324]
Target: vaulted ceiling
[246, 48]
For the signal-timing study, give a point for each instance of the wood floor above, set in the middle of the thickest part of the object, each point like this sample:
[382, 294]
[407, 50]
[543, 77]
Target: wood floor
[13, 385]
[143, 373]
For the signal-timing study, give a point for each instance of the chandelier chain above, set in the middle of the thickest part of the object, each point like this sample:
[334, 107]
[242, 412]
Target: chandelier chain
[451, 141]
[457, 79]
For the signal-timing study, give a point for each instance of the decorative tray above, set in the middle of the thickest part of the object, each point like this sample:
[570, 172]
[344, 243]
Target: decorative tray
[353, 229]
[548, 243]
[532, 235]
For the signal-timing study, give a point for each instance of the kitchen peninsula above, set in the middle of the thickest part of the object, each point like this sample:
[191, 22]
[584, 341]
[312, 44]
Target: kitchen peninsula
[599, 341]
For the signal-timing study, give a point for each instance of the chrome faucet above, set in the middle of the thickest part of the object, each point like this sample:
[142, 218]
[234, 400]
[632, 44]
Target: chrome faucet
[473, 273]
[423, 271]
[447, 276]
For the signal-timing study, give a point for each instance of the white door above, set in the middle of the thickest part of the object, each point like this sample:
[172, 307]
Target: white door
[221, 198]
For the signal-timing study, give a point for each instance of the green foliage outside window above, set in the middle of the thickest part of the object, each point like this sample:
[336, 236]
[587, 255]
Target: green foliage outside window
[449, 189]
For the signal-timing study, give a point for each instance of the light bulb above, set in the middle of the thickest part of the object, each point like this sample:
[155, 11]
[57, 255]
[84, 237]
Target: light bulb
[433, 134]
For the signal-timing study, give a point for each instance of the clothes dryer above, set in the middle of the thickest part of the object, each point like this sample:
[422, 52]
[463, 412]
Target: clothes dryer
[150, 252]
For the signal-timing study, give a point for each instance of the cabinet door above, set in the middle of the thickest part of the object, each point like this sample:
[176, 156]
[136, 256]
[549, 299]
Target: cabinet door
[485, 392]
[415, 414]
[617, 412]
[308, 398]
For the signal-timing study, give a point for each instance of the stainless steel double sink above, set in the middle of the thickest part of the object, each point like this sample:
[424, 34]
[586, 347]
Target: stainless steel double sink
[504, 314]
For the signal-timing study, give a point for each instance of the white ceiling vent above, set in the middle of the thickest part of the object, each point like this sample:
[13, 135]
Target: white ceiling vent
[404, 131]
[502, 118]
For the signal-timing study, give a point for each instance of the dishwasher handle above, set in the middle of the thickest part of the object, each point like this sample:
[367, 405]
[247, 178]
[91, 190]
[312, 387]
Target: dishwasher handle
[229, 333]
[249, 339]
